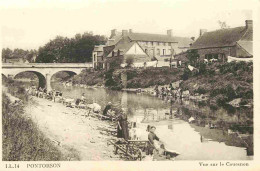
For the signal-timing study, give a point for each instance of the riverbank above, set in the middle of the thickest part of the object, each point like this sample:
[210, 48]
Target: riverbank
[50, 131]
[219, 84]
[71, 130]
[22, 139]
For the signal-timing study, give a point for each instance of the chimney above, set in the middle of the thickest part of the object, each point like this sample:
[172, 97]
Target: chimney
[249, 24]
[110, 42]
[130, 30]
[202, 31]
[113, 33]
[124, 33]
[169, 32]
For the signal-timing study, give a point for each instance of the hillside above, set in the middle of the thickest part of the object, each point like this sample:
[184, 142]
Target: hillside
[223, 83]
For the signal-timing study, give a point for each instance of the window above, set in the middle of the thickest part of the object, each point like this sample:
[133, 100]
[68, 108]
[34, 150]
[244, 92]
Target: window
[151, 52]
[94, 59]
[145, 50]
[164, 44]
[169, 44]
[152, 43]
[158, 43]
[118, 53]
[158, 52]
[113, 53]
[164, 51]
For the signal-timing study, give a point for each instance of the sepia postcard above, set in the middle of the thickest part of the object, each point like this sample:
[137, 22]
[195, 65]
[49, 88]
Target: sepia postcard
[130, 85]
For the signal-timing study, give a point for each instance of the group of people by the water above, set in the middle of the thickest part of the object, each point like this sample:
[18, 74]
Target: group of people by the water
[123, 131]
[57, 96]
[118, 115]
[42, 93]
[169, 91]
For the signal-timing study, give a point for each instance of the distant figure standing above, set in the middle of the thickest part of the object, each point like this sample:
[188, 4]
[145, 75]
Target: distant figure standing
[53, 94]
[156, 89]
[122, 126]
[151, 137]
[83, 98]
[171, 87]
[107, 108]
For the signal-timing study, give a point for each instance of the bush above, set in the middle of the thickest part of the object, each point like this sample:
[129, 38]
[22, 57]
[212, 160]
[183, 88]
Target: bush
[185, 76]
[129, 61]
[89, 77]
[202, 68]
[200, 91]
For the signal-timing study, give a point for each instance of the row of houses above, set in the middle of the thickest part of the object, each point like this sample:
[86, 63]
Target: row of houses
[167, 48]
[142, 47]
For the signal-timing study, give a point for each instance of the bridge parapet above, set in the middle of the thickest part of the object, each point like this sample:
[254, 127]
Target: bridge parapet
[47, 65]
[44, 71]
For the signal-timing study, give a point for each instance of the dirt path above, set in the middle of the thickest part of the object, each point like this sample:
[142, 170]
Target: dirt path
[71, 130]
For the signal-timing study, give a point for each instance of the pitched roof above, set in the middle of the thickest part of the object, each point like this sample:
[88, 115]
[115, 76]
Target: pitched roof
[184, 42]
[221, 38]
[98, 48]
[248, 36]
[247, 46]
[123, 45]
[151, 37]
[116, 38]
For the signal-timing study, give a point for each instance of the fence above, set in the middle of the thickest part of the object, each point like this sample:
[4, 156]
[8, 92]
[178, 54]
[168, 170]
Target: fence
[149, 64]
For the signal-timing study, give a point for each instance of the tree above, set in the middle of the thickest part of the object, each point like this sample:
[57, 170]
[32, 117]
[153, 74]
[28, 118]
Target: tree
[18, 53]
[6, 53]
[75, 50]
[193, 56]
[115, 63]
[129, 61]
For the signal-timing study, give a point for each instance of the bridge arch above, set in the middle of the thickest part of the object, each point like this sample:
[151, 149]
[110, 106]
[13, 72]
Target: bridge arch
[41, 78]
[70, 73]
[4, 78]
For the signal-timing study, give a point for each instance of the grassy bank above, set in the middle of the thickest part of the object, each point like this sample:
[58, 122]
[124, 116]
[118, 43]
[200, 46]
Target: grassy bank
[144, 78]
[22, 139]
[222, 82]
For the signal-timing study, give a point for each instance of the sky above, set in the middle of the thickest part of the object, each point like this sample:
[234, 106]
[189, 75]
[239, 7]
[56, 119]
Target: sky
[29, 24]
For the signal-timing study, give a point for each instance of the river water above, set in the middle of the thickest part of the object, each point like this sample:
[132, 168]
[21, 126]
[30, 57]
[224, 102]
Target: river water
[192, 141]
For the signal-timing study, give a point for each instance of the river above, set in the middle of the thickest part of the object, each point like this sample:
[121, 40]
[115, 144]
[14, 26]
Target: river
[192, 141]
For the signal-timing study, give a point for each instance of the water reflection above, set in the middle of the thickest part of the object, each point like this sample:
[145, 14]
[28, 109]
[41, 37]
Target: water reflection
[207, 137]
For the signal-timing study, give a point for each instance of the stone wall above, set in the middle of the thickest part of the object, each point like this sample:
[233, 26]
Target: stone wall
[228, 51]
[137, 58]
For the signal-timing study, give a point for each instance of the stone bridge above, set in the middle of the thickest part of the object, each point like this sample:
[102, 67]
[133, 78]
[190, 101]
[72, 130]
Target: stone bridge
[44, 71]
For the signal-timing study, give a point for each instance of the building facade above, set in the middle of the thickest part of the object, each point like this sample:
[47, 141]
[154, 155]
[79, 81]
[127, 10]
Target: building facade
[144, 47]
[98, 57]
[219, 44]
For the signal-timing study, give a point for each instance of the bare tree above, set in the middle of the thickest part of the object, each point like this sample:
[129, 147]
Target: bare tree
[223, 24]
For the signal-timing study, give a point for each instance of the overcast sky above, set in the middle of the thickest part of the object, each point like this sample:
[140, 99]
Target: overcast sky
[32, 23]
